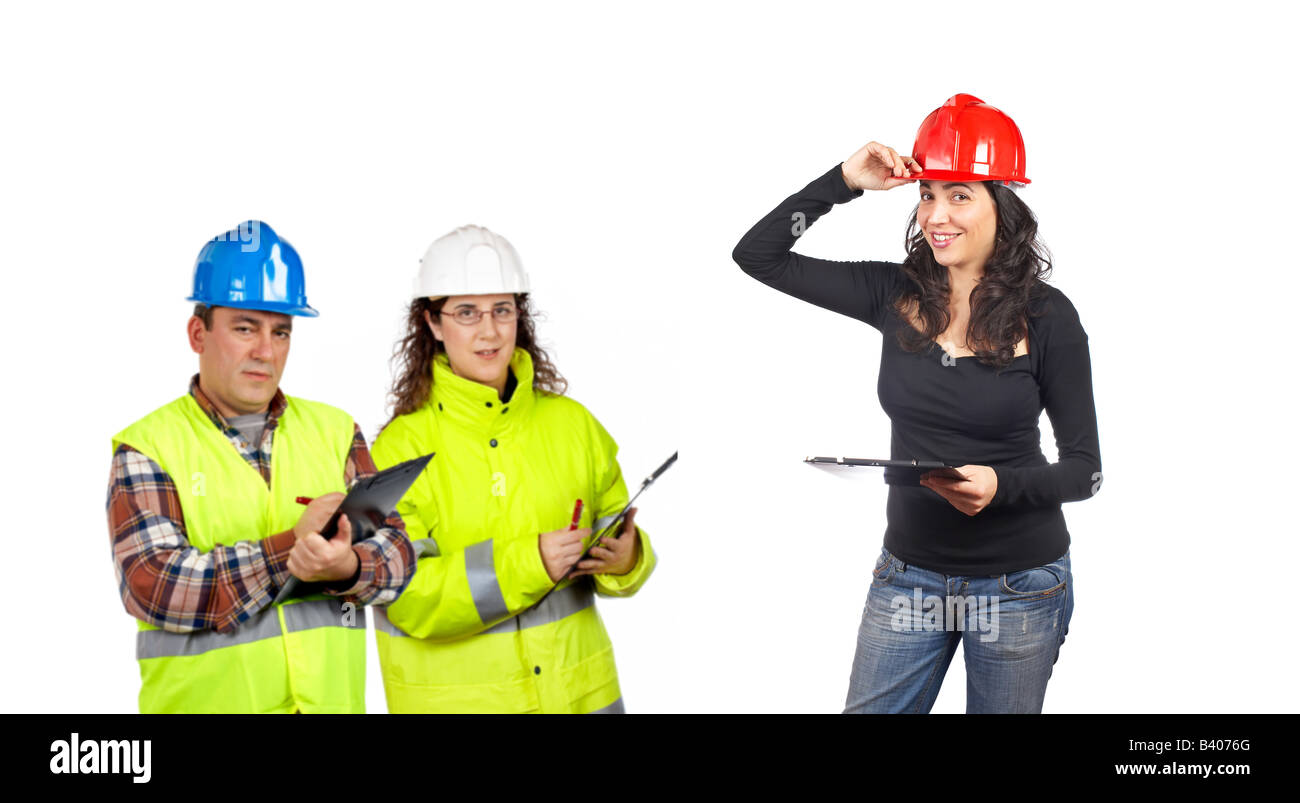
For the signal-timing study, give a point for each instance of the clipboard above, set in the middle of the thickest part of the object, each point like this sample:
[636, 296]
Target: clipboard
[367, 505]
[897, 472]
[610, 525]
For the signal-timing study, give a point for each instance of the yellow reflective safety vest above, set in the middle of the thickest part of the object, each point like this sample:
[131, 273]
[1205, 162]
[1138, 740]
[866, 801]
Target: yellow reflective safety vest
[307, 655]
[465, 635]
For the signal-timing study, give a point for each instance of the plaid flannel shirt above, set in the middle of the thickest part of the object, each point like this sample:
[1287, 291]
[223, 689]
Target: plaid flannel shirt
[169, 583]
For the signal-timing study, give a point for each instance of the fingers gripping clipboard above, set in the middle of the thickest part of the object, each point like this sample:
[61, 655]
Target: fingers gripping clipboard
[367, 505]
[611, 526]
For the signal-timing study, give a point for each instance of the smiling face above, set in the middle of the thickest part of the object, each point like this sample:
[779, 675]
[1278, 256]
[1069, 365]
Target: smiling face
[481, 351]
[960, 222]
[241, 357]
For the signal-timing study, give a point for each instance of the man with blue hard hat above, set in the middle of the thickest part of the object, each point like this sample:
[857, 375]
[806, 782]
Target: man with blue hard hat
[218, 497]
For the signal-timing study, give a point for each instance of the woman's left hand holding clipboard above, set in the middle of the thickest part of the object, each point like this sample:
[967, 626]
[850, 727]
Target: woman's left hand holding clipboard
[971, 495]
[614, 555]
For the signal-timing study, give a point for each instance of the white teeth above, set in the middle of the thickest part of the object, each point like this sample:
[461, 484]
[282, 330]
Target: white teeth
[943, 238]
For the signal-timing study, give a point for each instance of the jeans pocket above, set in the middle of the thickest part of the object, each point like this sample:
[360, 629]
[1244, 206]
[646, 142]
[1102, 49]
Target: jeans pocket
[884, 568]
[1040, 581]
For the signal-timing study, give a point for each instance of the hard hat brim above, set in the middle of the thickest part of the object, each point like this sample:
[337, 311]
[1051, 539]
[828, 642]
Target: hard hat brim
[303, 310]
[471, 291]
[953, 175]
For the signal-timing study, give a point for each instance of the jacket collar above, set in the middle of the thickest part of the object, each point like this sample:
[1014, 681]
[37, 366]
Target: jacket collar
[469, 404]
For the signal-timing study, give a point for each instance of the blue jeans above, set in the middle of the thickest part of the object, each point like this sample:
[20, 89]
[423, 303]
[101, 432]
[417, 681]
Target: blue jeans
[1012, 626]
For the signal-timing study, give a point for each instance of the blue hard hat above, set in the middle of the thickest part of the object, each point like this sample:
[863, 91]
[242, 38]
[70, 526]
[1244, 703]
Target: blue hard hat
[250, 267]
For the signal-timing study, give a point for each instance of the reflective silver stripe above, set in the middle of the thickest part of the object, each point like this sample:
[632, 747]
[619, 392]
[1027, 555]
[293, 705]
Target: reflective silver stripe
[383, 625]
[426, 548]
[602, 522]
[316, 613]
[615, 707]
[262, 625]
[482, 575]
[562, 603]
[565, 602]
[163, 644]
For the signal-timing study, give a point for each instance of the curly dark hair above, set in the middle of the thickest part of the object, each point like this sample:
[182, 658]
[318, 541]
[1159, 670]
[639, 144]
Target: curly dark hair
[1013, 277]
[413, 356]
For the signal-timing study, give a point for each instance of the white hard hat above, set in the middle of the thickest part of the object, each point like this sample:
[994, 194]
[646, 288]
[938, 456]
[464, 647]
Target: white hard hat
[469, 261]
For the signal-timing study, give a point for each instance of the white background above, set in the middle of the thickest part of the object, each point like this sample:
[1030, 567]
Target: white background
[624, 152]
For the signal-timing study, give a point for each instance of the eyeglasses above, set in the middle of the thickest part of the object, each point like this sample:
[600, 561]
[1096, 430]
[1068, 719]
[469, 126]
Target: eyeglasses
[470, 316]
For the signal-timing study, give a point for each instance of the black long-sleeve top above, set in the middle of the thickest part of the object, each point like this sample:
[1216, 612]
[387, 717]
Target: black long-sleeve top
[957, 410]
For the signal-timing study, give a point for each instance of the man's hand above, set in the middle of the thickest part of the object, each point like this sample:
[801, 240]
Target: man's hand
[317, 514]
[614, 555]
[315, 560]
[971, 495]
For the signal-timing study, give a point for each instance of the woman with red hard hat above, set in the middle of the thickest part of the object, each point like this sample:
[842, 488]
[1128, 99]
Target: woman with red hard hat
[975, 346]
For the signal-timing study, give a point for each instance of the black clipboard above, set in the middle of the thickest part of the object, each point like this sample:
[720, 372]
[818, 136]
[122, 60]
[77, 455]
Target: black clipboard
[897, 472]
[367, 504]
[610, 525]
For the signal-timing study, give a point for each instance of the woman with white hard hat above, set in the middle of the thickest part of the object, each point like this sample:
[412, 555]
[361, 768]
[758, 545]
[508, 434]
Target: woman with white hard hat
[493, 515]
[975, 345]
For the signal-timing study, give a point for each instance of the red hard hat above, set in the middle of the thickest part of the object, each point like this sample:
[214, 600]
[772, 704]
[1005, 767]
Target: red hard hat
[966, 139]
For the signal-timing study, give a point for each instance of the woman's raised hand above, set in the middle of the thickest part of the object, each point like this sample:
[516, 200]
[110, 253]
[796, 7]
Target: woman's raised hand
[878, 167]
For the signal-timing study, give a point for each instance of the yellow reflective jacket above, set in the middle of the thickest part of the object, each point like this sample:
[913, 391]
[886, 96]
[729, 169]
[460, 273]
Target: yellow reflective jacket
[466, 635]
[305, 655]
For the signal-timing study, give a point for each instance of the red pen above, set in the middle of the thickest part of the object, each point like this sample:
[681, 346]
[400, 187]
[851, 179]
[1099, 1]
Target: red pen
[303, 500]
[577, 514]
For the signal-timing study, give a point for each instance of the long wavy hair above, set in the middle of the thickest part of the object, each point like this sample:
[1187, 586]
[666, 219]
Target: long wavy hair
[413, 356]
[1013, 278]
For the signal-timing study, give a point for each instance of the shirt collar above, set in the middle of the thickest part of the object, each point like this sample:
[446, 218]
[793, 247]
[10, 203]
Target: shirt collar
[274, 411]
